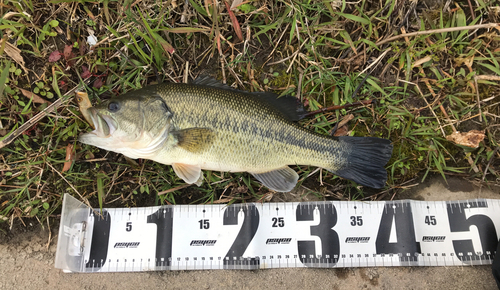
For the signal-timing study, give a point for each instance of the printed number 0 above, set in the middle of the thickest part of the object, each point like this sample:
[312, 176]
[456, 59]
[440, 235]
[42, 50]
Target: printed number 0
[330, 248]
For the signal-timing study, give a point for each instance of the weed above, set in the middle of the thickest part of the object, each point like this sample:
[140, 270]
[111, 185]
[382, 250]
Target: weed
[323, 52]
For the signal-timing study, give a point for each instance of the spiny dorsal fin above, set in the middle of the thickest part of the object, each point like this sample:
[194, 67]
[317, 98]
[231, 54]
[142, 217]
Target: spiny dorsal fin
[194, 139]
[289, 106]
[211, 82]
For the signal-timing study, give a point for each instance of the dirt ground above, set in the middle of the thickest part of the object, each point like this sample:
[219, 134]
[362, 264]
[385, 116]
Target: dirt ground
[27, 263]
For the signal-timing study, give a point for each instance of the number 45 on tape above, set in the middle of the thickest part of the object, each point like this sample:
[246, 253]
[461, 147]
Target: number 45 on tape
[277, 235]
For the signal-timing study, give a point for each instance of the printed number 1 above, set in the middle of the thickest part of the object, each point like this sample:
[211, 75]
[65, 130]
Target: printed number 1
[204, 224]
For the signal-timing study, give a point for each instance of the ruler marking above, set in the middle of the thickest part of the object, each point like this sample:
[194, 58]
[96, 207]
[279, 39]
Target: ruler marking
[455, 221]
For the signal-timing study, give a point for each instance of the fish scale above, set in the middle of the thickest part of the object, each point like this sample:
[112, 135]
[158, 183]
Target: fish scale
[258, 138]
[208, 125]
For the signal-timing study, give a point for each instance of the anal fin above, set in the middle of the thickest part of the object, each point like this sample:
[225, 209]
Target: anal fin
[283, 179]
[189, 173]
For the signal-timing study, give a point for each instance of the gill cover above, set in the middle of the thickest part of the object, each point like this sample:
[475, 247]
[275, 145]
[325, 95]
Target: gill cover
[136, 126]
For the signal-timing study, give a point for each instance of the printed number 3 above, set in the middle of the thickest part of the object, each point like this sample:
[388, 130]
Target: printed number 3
[356, 220]
[330, 247]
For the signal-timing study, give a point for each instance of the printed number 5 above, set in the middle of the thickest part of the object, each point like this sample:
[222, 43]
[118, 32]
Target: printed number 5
[356, 220]
[460, 223]
[128, 227]
[278, 222]
[430, 220]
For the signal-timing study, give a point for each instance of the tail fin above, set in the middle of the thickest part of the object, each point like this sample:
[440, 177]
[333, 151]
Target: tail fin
[366, 160]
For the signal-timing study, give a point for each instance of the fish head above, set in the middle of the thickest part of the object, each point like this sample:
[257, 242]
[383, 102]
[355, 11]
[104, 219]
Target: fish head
[136, 126]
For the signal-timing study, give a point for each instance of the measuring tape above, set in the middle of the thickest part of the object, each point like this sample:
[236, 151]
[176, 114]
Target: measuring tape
[278, 235]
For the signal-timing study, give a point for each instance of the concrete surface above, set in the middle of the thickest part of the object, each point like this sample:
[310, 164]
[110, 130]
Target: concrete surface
[27, 263]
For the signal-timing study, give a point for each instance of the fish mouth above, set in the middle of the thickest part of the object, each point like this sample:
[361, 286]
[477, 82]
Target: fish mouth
[104, 125]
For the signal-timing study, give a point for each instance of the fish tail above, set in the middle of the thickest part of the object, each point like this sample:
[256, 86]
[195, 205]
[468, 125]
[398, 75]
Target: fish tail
[365, 160]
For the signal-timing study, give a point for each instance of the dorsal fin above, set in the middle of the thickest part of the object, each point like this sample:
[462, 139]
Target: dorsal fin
[289, 106]
[211, 82]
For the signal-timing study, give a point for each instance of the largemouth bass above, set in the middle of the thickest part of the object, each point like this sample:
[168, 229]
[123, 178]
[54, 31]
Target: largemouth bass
[208, 125]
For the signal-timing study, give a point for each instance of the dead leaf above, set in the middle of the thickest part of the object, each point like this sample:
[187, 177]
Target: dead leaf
[421, 61]
[235, 22]
[488, 77]
[186, 29]
[70, 158]
[13, 52]
[69, 55]
[85, 72]
[208, 3]
[469, 139]
[54, 56]
[68, 49]
[98, 83]
[82, 46]
[9, 15]
[236, 3]
[167, 46]
[343, 129]
[36, 99]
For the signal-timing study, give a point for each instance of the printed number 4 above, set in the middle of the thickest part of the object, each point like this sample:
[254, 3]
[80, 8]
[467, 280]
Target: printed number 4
[278, 222]
[430, 220]
[356, 220]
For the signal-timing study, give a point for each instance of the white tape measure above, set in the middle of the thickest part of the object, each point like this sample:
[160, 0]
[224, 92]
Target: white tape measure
[278, 235]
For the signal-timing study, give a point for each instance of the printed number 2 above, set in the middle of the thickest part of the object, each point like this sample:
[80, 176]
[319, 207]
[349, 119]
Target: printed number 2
[278, 222]
[247, 232]
[356, 220]
[430, 220]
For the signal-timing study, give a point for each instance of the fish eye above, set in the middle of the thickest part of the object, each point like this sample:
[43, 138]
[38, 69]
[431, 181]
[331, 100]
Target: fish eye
[113, 107]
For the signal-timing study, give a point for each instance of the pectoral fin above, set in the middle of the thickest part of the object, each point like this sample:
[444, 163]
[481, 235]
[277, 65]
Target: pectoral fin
[189, 173]
[194, 139]
[283, 179]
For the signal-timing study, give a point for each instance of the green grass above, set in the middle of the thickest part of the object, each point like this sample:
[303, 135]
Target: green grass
[320, 51]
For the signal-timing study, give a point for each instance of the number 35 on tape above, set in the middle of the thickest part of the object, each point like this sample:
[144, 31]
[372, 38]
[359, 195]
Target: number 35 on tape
[277, 235]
